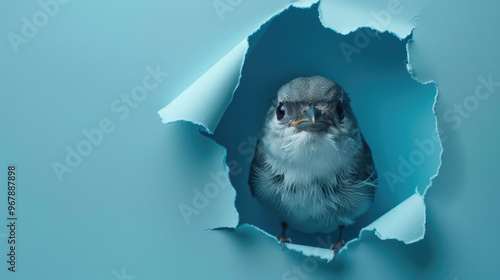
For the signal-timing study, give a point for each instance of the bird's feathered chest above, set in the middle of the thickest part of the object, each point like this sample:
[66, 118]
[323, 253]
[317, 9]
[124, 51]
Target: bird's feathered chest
[308, 180]
[307, 157]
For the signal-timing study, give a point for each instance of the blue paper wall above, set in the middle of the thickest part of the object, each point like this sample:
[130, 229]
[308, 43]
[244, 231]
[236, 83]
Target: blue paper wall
[116, 214]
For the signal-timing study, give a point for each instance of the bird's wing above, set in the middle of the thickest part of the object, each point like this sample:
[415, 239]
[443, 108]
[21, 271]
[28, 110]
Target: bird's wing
[366, 170]
[257, 163]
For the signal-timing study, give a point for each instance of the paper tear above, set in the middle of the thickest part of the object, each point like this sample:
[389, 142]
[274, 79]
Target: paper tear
[216, 86]
[304, 3]
[393, 16]
[405, 222]
[205, 101]
[309, 251]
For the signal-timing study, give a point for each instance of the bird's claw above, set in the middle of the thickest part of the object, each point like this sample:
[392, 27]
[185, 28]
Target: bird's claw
[283, 239]
[336, 247]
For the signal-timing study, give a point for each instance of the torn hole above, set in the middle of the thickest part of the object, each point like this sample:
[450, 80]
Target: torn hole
[394, 111]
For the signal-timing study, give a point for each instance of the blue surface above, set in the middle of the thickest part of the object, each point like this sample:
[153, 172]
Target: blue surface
[116, 214]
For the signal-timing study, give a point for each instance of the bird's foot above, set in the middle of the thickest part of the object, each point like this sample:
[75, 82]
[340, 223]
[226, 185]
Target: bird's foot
[336, 247]
[283, 239]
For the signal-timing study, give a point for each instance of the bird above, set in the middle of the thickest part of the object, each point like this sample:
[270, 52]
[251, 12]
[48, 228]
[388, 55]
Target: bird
[312, 168]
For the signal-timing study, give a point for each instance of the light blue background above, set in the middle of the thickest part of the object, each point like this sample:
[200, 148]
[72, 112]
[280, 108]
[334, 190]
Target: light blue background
[119, 208]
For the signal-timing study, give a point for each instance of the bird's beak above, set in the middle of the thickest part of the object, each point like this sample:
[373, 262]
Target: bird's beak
[312, 120]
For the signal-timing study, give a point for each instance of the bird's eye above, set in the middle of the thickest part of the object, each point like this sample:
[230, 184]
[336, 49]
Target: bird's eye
[340, 110]
[280, 111]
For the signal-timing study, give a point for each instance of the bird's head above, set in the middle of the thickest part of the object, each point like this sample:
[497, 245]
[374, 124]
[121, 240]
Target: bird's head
[311, 123]
[311, 127]
[312, 105]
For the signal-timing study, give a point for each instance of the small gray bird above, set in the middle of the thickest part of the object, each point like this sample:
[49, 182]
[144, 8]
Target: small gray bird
[312, 168]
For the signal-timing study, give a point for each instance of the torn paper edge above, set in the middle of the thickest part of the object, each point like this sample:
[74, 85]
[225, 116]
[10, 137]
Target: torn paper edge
[207, 114]
[303, 4]
[204, 88]
[402, 30]
[409, 69]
